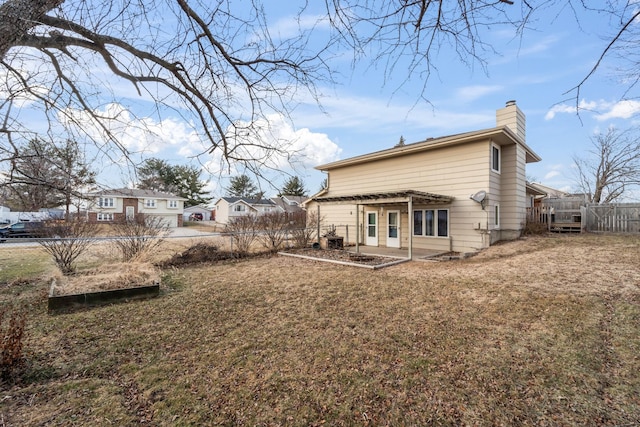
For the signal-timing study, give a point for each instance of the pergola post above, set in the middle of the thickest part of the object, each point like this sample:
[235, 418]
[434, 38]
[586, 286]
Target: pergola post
[410, 216]
[357, 228]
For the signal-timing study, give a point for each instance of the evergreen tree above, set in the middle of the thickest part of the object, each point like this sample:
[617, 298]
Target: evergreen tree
[181, 180]
[242, 186]
[293, 187]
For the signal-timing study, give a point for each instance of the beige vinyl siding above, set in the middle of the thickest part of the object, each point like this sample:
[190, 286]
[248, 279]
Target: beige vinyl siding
[513, 206]
[222, 211]
[339, 215]
[447, 171]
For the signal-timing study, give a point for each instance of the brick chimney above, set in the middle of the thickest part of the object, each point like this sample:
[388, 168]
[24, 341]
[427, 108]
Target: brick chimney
[514, 118]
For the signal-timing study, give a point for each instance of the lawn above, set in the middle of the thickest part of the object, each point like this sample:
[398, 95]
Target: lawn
[542, 331]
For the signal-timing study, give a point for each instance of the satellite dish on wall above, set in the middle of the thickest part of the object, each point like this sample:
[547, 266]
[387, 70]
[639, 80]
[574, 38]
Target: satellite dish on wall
[479, 197]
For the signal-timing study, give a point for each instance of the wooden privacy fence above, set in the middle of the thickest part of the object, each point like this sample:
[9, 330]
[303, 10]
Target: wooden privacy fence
[563, 214]
[612, 218]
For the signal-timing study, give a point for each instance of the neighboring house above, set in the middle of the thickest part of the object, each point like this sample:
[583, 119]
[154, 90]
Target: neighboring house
[289, 204]
[197, 209]
[118, 204]
[548, 192]
[456, 193]
[228, 208]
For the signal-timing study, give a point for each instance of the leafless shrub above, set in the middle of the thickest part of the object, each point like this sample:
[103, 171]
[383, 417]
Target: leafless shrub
[303, 228]
[11, 334]
[534, 228]
[244, 231]
[66, 240]
[138, 236]
[273, 230]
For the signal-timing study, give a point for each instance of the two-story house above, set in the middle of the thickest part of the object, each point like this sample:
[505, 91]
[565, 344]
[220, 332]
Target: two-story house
[228, 208]
[117, 204]
[456, 193]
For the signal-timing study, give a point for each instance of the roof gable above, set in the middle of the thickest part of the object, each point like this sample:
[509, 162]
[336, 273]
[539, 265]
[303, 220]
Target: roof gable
[136, 193]
[248, 201]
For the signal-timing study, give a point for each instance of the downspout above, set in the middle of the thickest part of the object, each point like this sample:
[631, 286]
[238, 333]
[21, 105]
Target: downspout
[410, 215]
[318, 225]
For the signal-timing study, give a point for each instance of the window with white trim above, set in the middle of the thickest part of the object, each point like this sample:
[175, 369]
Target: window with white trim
[102, 216]
[431, 222]
[496, 216]
[239, 208]
[106, 202]
[495, 158]
[173, 204]
[149, 203]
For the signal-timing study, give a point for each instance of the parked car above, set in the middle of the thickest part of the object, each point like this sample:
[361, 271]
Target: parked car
[196, 216]
[22, 229]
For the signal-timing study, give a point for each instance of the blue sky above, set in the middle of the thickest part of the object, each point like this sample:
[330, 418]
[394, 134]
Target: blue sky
[368, 111]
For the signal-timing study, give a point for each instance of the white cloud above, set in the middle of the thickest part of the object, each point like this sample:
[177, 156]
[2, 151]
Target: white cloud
[602, 110]
[276, 142]
[620, 110]
[551, 175]
[136, 134]
[275, 145]
[582, 106]
[13, 88]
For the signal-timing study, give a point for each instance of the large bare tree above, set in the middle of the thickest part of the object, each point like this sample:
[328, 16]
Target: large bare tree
[219, 65]
[611, 167]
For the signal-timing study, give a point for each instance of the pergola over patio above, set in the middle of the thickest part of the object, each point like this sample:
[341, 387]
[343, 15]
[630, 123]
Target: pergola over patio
[385, 198]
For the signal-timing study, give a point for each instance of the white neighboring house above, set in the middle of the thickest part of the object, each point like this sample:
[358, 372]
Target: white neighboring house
[120, 203]
[228, 208]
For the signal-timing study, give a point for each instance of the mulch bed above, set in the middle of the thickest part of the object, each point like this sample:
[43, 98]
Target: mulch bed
[341, 255]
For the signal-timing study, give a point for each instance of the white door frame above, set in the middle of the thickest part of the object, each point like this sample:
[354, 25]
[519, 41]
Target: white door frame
[393, 229]
[130, 213]
[371, 228]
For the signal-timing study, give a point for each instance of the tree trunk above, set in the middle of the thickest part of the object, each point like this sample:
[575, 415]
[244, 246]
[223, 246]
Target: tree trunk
[17, 17]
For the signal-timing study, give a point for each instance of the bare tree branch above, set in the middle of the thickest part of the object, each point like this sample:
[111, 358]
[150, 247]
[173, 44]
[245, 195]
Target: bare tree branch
[611, 167]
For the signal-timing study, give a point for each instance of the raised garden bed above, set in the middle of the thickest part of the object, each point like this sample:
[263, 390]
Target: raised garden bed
[73, 301]
[105, 285]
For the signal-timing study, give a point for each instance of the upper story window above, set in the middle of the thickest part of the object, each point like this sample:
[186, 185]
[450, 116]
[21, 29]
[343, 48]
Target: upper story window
[149, 203]
[238, 208]
[495, 158]
[106, 202]
[173, 204]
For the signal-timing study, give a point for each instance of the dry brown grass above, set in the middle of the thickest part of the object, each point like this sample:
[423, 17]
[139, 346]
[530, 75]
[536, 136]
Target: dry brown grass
[544, 331]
